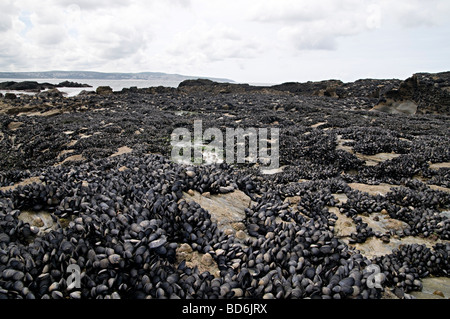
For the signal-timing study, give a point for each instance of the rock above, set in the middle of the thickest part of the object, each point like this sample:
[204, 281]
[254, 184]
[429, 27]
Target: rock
[25, 85]
[225, 209]
[104, 90]
[433, 288]
[204, 262]
[370, 88]
[384, 223]
[344, 226]
[207, 259]
[73, 158]
[206, 194]
[86, 93]
[34, 86]
[381, 189]
[14, 125]
[422, 92]
[293, 200]
[122, 150]
[42, 220]
[321, 88]
[10, 96]
[396, 107]
[51, 93]
[185, 248]
[69, 84]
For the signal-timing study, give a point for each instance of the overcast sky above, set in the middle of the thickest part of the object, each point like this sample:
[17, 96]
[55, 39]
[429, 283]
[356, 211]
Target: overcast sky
[263, 41]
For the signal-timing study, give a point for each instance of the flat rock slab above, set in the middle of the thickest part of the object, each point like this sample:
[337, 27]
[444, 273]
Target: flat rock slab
[439, 188]
[370, 160]
[396, 107]
[42, 220]
[344, 226]
[318, 124]
[122, 150]
[434, 288]
[440, 165]
[204, 262]
[272, 171]
[64, 152]
[73, 158]
[14, 125]
[373, 160]
[375, 247]
[340, 198]
[49, 113]
[384, 223]
[381, 189]
[25, 182]
[225, 209]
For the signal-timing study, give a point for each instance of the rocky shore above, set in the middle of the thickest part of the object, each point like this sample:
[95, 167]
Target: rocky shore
[359, 208]
[33, 86]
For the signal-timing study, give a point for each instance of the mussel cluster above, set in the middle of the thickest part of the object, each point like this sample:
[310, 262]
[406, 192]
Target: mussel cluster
[407, 265]
[122, 228]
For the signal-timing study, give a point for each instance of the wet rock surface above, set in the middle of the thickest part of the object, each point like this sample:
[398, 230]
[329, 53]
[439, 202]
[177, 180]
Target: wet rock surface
[93, 186]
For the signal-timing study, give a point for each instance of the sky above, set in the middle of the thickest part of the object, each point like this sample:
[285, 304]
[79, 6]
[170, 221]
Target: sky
[250, 41]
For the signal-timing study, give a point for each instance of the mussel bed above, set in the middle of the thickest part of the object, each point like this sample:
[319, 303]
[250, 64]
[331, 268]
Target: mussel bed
[121, 219]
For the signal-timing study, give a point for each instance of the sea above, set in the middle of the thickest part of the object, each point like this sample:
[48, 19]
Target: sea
[116, 85]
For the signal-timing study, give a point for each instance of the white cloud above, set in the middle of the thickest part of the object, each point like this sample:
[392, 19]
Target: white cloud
[288, 11]
[88, 5]
[232, 38]
[373, 20]
[317, 25]
[8, 12]
[48, 35]
[416, 13]
[202, 43]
